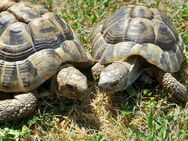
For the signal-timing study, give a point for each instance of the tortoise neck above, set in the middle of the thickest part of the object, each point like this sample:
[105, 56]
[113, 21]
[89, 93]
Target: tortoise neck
[136, 66]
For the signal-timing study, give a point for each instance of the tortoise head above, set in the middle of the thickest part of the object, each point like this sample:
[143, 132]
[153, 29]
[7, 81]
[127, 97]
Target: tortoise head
[119, 75]
[114, 77]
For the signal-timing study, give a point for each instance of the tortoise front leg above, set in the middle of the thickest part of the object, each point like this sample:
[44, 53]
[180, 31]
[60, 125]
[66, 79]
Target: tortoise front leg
[171, 85]
[70, 83]
[17, 107]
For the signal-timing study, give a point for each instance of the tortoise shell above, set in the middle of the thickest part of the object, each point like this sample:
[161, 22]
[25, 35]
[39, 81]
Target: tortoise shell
[33, 44]
[138, 30]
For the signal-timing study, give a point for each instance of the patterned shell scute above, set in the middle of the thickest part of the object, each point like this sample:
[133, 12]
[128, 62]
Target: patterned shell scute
[5, 4]
[138, 30]
[24, 12]
[33, 44]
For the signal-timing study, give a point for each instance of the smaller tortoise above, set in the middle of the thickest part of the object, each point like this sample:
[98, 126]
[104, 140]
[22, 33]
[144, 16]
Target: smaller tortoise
[136, 39]
[35, 45]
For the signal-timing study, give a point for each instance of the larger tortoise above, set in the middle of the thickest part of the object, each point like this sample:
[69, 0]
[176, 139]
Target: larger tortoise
[136, 39]
[34, 44]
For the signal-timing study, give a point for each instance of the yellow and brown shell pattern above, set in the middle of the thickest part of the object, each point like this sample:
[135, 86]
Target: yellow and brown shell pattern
[138, 30]
[33, 45]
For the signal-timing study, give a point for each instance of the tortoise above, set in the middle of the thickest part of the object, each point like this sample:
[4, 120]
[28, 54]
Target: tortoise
[137, 39]
[36, 45]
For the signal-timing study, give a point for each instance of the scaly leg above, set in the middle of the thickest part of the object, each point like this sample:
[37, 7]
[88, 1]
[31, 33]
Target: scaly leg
[17, 107]
[171, 85]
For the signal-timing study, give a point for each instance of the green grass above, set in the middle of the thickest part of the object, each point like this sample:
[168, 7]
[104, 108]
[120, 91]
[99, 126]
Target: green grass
[144, 114]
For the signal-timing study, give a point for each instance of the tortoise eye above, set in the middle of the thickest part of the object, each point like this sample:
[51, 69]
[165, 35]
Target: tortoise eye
[71, 87]
[114, 83]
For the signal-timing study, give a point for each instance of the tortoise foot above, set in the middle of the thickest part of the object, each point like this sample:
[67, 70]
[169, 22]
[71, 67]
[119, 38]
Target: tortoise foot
[17, 107]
